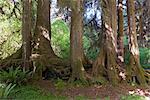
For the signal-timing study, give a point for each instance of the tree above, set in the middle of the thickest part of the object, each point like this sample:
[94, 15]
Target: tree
[135, 68]
[146, 21]
[120, 33]
[77, 57]
[105, 66]
[76, 45]
[26, 33]
[42, 37]
[42, 29]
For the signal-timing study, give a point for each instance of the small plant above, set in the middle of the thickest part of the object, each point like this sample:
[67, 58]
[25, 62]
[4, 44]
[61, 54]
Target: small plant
[15, 76]
[6, 89]
[80, 83]
[60, 84]
[30, 92]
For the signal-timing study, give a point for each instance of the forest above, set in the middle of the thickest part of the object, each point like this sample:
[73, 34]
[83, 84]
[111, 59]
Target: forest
[75, 49]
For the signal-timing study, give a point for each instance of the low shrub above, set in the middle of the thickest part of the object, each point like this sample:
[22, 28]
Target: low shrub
[14, 75]
[6, 89]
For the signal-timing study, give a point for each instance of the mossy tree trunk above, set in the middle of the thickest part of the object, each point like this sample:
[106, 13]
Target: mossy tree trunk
[120, 52]
[107, 58]
[134, 68]
[43, 30]
[42, 35]
[76, 44]
[26, 33]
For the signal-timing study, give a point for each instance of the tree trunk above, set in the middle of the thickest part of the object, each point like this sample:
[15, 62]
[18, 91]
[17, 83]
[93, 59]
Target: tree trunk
[76, 44]
[43, 29]
[135, 69]
[26, 33]
[42, 37]
[107, 57]
[141, 35]
[120, 34]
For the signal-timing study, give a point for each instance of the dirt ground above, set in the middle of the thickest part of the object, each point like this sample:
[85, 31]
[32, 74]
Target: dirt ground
[93, 92]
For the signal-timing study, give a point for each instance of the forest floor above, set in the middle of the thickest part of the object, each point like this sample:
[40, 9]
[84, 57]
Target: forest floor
[93, 92]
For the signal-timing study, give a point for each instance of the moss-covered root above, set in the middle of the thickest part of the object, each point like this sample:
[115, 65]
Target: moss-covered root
[12, 60]
[78, 72]
[136, 74]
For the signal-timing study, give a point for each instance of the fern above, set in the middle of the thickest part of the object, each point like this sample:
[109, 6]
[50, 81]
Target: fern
[5, 90]
[15, 76]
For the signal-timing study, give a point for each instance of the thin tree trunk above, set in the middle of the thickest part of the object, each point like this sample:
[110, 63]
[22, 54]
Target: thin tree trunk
[26, 33]
[141, 35]
[120, 34]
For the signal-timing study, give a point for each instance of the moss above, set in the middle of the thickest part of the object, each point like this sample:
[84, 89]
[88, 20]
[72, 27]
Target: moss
[78, 71]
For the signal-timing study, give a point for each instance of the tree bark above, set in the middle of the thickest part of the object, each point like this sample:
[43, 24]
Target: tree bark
[135, 68]
[42, 37]
[43, 29]
[107, 57]
[26, 33]
[76, 45]
[120, 51]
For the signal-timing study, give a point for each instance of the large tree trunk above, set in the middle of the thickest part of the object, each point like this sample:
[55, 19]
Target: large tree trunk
[42, 37]
[76, 41]
[107, 56]
[43, 29]
[120, 34]
[26, 33]
[134, 69]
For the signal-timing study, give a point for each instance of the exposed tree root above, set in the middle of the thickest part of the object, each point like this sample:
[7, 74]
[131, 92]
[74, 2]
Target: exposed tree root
[14, 59]
[135, 73]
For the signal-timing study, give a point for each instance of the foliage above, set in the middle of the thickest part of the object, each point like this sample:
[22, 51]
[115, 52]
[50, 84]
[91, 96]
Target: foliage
[60, 84]
[6, 89]
[10, 26]
[10, 37]
[33, 93]
[80, 83]
[81, 98]
[132, 97]
[60, 38]
[145, 57]
[125, 40]
[15, 76]
[91, 52]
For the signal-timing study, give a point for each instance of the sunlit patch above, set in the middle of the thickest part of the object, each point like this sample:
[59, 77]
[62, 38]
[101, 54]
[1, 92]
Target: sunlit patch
[82, 69]
[123, 75]
[110, 34]
[121, 58]
[120, 5]
[36, 46]
[140, 92]
[44, 32]
[134, 50]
